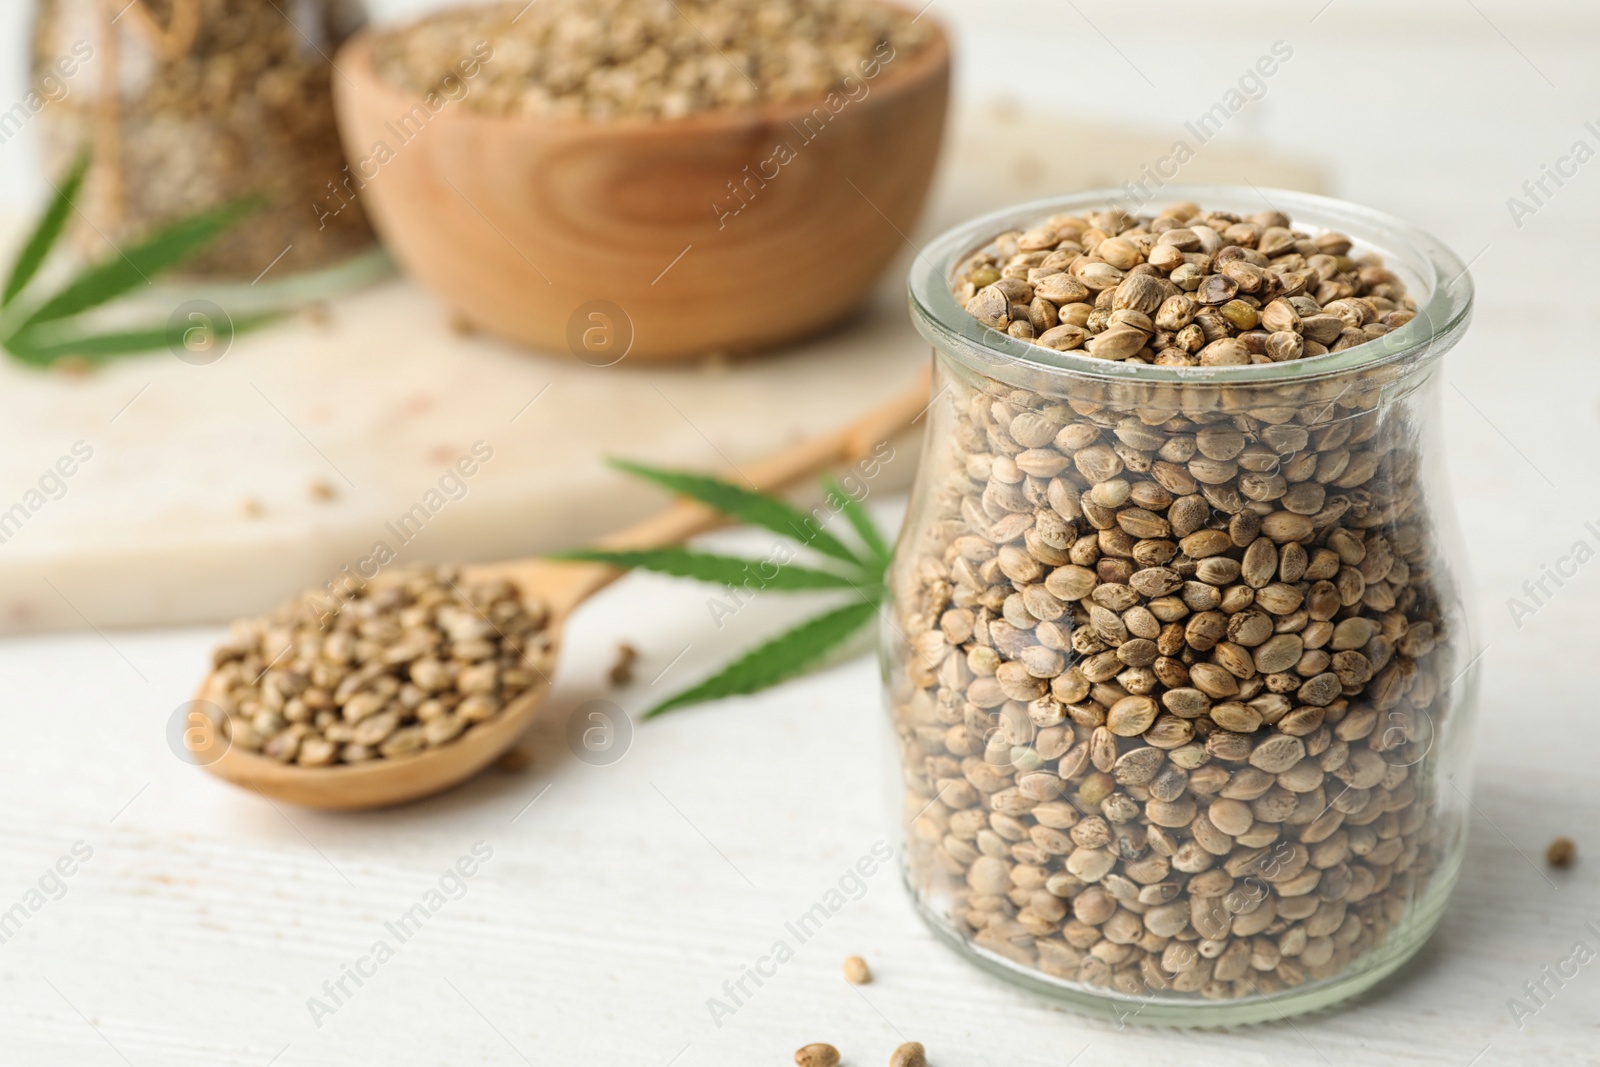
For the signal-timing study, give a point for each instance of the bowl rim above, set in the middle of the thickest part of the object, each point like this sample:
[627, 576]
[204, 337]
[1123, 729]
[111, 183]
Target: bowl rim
[931, 62]
[1443, 310]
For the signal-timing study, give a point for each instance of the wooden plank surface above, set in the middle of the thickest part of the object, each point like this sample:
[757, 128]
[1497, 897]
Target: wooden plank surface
[184, 477]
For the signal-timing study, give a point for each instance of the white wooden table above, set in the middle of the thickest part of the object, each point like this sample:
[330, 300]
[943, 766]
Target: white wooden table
[618, 899]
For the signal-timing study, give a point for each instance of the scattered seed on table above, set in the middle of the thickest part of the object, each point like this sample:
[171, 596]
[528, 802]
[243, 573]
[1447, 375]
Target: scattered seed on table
[515, 761]
[910, 1054]
[621, 673]
[856, 971]
[817, 1054]
[1561, 852]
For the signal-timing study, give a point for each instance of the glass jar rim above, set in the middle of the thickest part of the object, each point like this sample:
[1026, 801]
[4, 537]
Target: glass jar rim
[1443, 309]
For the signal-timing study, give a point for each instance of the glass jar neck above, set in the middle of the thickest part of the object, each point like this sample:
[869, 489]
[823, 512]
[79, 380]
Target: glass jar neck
[1436, 277]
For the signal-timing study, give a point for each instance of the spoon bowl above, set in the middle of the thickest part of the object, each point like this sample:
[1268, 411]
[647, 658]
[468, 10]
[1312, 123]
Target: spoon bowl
[385, 782]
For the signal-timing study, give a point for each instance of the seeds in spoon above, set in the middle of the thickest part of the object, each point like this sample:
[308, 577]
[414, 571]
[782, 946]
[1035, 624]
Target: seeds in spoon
[411, 660]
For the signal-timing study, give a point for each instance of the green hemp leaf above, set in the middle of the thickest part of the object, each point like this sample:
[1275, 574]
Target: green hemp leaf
[42, 330]
[860, 572]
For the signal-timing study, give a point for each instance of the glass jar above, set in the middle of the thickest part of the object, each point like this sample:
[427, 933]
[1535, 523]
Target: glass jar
[1180, 676]
[189, 104]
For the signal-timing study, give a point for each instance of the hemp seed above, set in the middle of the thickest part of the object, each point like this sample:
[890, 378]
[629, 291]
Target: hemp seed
[910, 1054]
[1171, 656]
[621, 673]
[384, 665]
[610, 59]
[817, 1054]
[1214, 296]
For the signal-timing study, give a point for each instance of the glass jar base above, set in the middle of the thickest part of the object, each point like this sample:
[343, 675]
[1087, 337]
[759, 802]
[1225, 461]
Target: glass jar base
[1192, 1011]
[358, 272]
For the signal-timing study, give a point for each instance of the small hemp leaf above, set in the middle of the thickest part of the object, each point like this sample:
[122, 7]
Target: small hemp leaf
[857, 571]
[45, 330]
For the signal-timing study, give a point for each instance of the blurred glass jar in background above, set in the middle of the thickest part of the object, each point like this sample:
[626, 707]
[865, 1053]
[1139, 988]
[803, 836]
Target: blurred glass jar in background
[189, 104]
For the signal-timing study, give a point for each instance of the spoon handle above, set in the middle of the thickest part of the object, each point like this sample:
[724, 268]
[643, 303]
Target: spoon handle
[686, 518]
[779, 470]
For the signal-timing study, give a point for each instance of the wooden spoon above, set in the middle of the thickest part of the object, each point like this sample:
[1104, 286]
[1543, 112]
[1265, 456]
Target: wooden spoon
[562, 587]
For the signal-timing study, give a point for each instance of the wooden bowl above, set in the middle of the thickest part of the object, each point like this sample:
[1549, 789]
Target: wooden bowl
[726, 231]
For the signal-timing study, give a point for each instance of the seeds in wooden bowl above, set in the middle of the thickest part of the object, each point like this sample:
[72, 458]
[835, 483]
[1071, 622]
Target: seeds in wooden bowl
[1185, 288]
[411, 660]
[605, 59]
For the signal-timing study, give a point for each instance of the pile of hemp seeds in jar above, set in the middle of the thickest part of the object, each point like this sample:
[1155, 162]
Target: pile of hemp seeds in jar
[408, 661]
[1175, 655]
[661, 59]
[1185, 289]
[240, 104]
